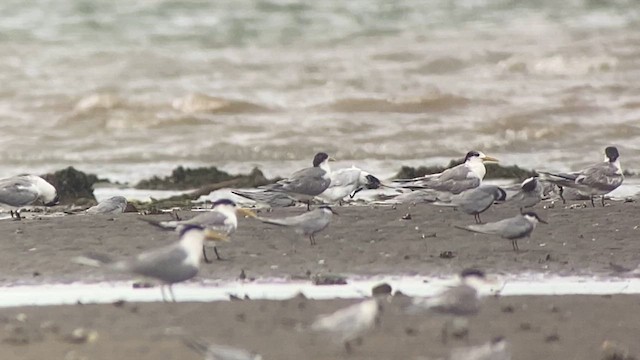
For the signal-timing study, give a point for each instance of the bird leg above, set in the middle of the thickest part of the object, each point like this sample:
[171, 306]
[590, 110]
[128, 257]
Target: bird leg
[592, 203]
[173, 297]
[602, 200]
[218, 257]
[347, 347]
[312, 240]
[477, 218]
[308, 205]
[514, 244]
[560, 192]
[15, 215]
[164, 299]
[204, 253]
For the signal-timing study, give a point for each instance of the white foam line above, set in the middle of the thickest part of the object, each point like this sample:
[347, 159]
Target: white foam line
[279, 289]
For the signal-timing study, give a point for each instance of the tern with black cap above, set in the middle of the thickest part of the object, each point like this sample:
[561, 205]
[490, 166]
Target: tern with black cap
[517, 227]
[455, 180]
[596, 180]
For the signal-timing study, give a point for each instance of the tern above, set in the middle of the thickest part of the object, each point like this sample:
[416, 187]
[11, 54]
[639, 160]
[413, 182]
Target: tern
[112, 205]
[307, 224]
[222, 219]
[455, 180]
[350, 323]
[305, 184]
[171, 264]
[496, 349]
[219, 352]
[530, 194]
[475, 201]
[596, 180]
[348, 182]
[462, 300]
[514, 228]
[19, 191]
[269, 198]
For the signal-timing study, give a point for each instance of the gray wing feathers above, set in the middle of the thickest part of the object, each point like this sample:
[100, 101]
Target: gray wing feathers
[309, 181]
[165, 264]
[17, 192]
[511, 228]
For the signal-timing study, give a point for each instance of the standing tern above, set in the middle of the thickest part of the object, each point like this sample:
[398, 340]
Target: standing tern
[222, 219]
[307, 224]
[112, 205]
[350, 323]
[475, 201]
[530, 194]
[517, 227]
[596, 180]
[455, 180]
[305, 184]
[348, 182]
[170, 264]
[462, 300]
[22, 190]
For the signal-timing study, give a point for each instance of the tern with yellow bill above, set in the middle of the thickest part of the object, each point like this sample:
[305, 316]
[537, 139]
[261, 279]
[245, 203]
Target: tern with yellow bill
[455, 180]
[222, 220]
[171, 264]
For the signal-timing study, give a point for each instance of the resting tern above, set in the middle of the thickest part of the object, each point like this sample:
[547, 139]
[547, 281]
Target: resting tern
[350, 323]
[599, 179]
[348, 182]
[475, 201]
[517, 227]
[222, 219]
[270, 198]
[219, 352]
[531, 193]
[462, 300]
[22, 190]
[305, 184]
[496, 349]
[112, 205]
[307, 224]
[455, 180]
[170, 264]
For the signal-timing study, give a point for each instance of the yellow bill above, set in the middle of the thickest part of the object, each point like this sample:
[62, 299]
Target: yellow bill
[213, 235]
[247, 212]
[489, 159]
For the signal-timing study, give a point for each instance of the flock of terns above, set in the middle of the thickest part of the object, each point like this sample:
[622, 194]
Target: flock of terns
[459, 187]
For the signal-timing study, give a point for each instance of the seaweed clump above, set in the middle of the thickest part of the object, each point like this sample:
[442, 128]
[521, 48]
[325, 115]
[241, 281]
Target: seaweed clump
[73, 186]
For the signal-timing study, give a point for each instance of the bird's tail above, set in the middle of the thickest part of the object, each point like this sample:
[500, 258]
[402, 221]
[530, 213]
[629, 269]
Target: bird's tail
[95, 260]
[279, 222]
[561, 179]
[165, 225]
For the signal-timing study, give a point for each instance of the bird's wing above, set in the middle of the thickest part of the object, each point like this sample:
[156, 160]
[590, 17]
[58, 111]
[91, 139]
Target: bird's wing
[453, 186]
[345, 177]
[309, 181]
[475, 200]
[602, 176]
[290, 220]
[17, 191]
[163, 263]
[507, 228]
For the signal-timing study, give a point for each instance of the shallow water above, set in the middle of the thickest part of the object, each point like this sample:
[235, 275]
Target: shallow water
[132, 89]
[280, 289]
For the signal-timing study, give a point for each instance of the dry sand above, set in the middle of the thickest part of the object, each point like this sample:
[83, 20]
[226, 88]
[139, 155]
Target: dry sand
[362, 240]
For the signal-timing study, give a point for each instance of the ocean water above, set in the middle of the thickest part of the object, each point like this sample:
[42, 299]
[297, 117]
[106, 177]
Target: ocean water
[129, 89]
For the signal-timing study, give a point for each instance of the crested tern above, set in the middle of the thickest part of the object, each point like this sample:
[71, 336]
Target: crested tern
[462, 300]
[112, 205]
[170, 264]
[455, 180]
[475, 201]
[22, 190]
[307, 224]
[517, 227]
[595, 180]
[348, 182]
[350, 323]
[496, 349]
[530, 194]
[219, 352]
[305, 184]
[222, 219]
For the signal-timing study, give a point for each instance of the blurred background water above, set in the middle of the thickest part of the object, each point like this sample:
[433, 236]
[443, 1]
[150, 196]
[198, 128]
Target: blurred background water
[129, 89]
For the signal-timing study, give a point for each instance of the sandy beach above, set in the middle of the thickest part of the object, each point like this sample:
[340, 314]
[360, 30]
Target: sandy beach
[362, 241]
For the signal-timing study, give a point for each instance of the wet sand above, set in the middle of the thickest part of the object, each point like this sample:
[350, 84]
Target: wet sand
[362, 241]
[567, 327]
